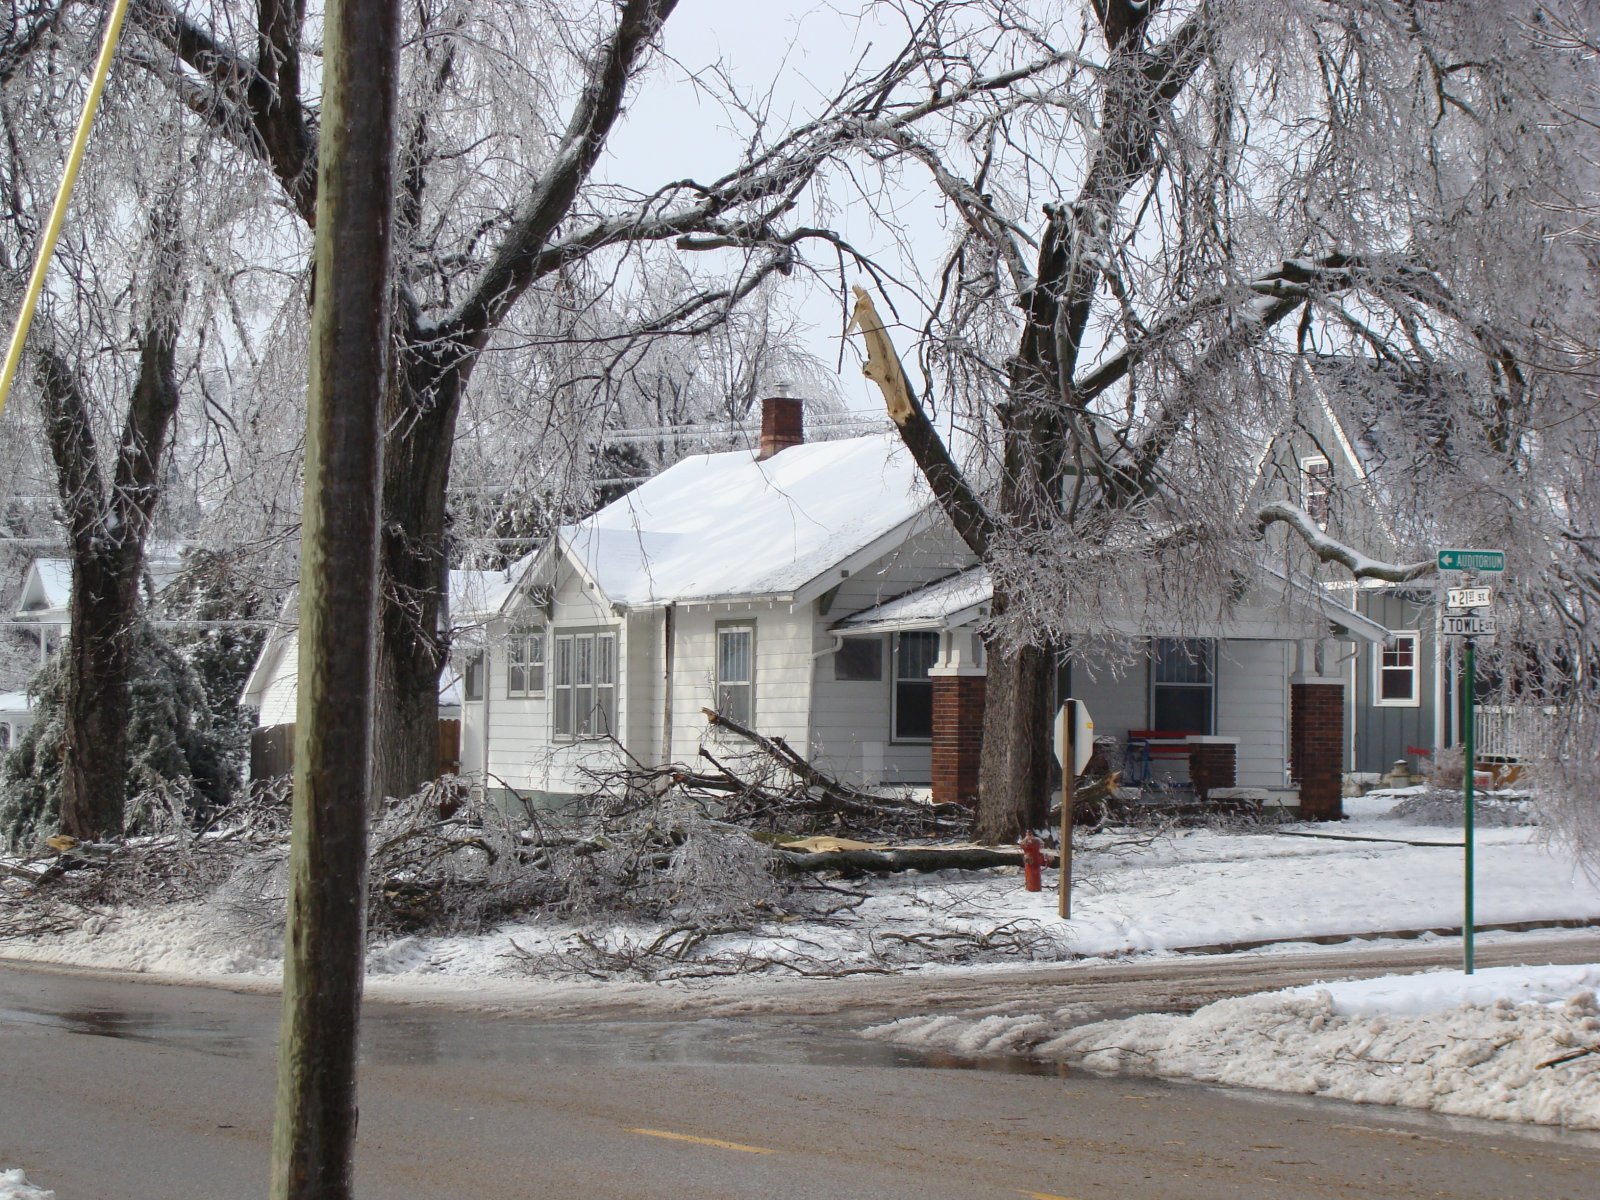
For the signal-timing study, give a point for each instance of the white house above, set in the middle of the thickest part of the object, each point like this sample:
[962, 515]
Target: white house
[815, 592]
[44, 606]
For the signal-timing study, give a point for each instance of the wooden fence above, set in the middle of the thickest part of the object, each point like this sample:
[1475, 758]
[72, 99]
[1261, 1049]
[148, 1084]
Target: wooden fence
[272, 750]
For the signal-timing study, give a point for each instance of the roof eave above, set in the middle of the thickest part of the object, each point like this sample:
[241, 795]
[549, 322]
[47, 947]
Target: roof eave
[843, 568]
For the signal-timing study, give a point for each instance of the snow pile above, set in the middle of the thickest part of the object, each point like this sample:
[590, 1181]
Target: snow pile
[1468, 1046]
[1434, 807]
[14, 1185]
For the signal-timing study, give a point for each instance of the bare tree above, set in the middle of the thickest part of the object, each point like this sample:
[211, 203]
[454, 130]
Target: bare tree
[108, 523]
[1235, 186]
[495, 200]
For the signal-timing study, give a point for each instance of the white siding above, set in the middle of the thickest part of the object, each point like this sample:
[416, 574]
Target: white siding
[1253, 706]
[851, 720]
[1116, 691]
[642, 668]
[523, 752]
[782, 669]
[281, 695]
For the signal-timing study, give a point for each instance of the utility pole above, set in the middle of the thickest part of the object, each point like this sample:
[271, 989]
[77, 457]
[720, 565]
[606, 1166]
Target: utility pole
[324, 950]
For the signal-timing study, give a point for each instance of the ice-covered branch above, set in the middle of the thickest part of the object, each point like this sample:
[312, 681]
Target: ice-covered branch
[1334, 551]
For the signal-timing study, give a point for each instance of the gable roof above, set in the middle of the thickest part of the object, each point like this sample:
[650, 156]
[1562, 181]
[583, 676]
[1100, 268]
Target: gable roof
[47, 588]
[719, 526]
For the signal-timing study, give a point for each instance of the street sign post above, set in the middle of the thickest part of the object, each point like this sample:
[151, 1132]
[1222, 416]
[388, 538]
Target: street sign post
[1074, 743]
[1469, 597]
[1470, 626]
[1472, 560]
[1470, 763]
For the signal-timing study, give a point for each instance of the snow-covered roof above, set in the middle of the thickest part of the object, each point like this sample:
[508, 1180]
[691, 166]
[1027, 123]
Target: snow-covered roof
[950, 602]
[475, 595]
[716, 526]
[47, 590]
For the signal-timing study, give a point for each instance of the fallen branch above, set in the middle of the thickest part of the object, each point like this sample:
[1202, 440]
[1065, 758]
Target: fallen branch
[1572, 1056]
[883, 862]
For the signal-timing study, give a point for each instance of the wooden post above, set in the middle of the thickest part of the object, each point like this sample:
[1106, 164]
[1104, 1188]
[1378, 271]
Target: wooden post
[1064, 857]
[314, 1133]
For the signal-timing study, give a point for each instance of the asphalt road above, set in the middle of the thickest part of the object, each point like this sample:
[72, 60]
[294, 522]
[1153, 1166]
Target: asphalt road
[114, 1089]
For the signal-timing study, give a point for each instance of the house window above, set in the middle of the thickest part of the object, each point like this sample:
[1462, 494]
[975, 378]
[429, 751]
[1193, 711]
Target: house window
[1396, 679]
[1316, 488]
[472, 677]
[859, 660]
[1182, 685]
[736, 672]
[525, 662]
[584, 687]
[914, 656]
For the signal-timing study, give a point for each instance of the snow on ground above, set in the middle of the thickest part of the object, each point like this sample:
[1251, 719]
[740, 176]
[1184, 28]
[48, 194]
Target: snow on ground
[14, 1186]
[1434, 1041]
[1133, 893]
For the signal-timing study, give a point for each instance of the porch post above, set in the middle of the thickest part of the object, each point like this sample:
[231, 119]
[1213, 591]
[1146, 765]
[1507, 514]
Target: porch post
[1213, 763]
[959, 686]
[1316, 743]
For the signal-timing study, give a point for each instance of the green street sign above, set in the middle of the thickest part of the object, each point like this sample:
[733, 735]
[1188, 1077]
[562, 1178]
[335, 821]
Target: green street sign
[1472, 560]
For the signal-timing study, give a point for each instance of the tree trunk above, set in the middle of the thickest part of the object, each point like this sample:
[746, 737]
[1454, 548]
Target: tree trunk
[94, 744]
[421, 413]
[1014, 770]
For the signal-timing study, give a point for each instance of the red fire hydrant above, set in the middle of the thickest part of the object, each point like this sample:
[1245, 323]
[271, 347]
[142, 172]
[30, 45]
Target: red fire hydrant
[1032, 863]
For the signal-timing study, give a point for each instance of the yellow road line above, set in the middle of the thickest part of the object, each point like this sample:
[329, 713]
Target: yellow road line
[704, 1141]
[1041, 1195]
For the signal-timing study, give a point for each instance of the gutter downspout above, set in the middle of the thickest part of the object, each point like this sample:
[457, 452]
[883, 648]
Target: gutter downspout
[669, 639]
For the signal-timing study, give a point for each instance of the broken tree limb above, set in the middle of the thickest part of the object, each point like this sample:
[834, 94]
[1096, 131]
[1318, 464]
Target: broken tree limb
[823, 795]
[1570, 1057]
[781, 752]
[883, 862]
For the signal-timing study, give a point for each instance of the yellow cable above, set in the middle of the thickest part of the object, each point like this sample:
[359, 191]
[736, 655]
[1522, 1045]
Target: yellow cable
[58, 211]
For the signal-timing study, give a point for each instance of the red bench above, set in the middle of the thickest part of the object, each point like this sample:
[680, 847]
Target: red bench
[1147, 745]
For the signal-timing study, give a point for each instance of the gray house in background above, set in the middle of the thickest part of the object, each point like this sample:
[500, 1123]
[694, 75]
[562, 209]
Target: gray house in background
[1346, 464]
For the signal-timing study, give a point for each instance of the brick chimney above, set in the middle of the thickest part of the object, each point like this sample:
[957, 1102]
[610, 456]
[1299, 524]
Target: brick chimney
[782, 423]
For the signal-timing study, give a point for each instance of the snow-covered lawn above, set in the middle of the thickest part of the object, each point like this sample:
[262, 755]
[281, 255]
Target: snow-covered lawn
[1429, 1041]
[14, 1185]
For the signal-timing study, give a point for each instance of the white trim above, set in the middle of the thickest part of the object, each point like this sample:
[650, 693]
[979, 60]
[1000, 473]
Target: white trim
[1415, 699]
[870, 553]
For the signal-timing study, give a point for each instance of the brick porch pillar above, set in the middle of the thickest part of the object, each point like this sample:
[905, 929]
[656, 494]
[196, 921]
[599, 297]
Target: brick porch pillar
[1316, 745]
[1213, 763]
[957, 734]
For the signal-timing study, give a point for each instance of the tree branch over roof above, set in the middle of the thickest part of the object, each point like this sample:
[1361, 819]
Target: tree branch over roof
[1331, 550]
[950, 488]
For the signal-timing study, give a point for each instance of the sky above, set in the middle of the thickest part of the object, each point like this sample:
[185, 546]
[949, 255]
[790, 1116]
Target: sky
[788, 54]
